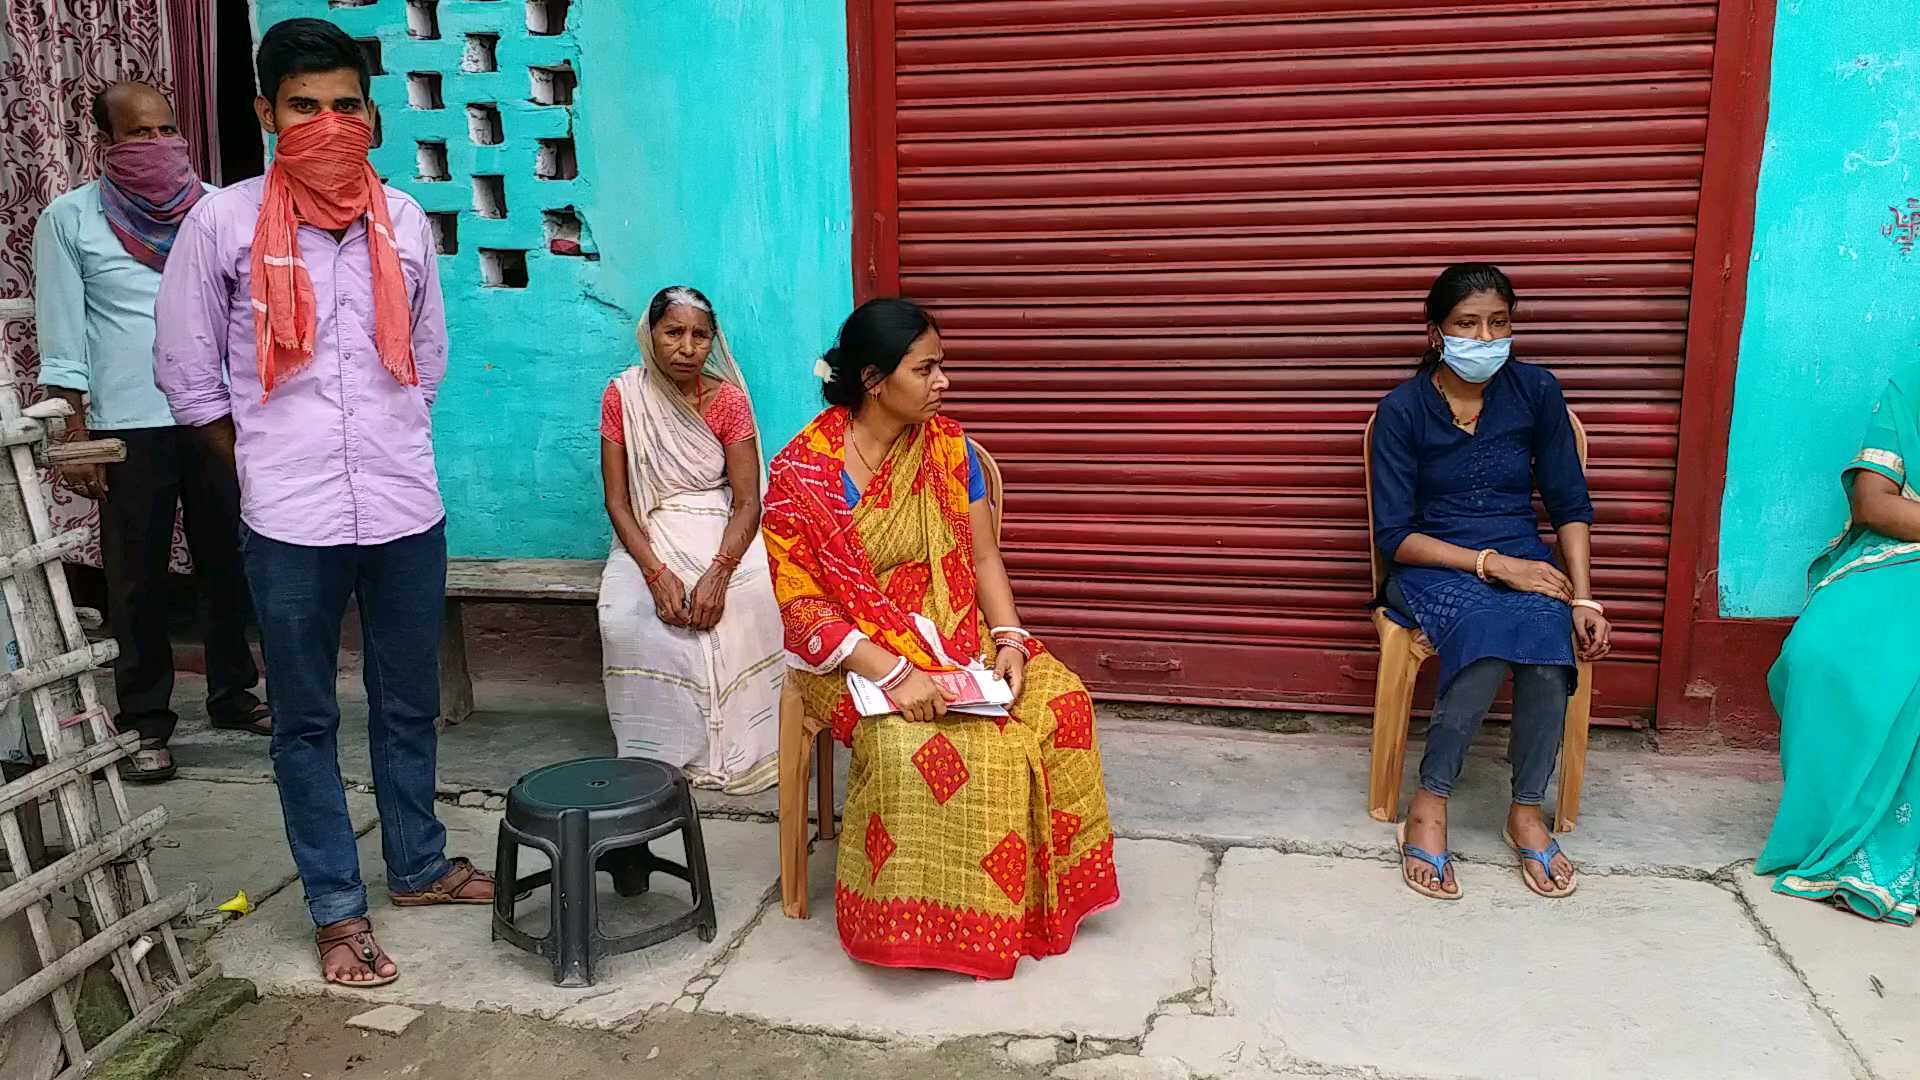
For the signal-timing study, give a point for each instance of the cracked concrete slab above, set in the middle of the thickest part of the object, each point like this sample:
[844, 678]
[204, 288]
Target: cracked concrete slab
[1641, 812]
[1866, 975]
[1124, 961]
[445, 956]
[224, 838]
[1166, 780]
[1212, 1046]
[1632, 977]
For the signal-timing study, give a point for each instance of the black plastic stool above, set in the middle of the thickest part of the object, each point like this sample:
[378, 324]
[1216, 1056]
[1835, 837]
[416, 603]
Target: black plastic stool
[597, 814]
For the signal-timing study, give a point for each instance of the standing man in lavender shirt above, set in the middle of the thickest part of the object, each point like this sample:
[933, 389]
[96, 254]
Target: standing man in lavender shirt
[301, 331]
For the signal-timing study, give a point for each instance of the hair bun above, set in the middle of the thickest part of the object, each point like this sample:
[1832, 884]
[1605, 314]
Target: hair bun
[838, 385]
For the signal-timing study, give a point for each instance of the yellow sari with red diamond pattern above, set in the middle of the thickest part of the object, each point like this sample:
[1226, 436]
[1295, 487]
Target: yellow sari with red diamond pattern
[970, 842]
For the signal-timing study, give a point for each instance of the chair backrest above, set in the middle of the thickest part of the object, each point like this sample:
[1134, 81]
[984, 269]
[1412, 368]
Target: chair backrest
[1379, 561]
[996, 487]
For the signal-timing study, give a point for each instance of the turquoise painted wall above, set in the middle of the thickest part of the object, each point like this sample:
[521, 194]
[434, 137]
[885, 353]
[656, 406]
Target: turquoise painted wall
[711, 138]
[1833, 303]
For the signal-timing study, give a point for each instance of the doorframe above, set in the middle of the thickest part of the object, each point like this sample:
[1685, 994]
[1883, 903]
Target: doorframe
[874, 144]
[1712, 683]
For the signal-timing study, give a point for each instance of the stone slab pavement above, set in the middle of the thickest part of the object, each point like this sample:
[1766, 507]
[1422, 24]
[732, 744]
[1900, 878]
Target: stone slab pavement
[1641, 811]
[448, 959]
[222, 838]
[1865, 976]
[1123, 963]
[1263, 929]
[1631, 977]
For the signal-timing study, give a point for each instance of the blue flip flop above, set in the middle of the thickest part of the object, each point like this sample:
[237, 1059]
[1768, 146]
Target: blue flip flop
[1439, 864]
[1545, 859]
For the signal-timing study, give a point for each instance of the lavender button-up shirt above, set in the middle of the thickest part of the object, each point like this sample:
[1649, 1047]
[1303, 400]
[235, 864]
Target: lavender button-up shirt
[342, 453]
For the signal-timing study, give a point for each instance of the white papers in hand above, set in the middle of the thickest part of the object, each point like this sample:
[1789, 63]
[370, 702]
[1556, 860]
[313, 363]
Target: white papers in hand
[980, 693]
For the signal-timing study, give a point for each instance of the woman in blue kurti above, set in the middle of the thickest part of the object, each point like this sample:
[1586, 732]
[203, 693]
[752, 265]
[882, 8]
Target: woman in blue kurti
[1458, 451]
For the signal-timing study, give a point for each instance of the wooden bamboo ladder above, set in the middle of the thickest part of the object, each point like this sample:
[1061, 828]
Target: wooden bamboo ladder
[107, 868]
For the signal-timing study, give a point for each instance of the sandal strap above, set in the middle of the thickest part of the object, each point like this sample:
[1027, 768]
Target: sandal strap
[1543, 857]
[453, 883]
[342, 931]
[354, 934]
[462, 875]
[1438, 862]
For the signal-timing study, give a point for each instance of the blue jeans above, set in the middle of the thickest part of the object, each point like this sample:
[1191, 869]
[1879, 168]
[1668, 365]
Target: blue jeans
[300, 597]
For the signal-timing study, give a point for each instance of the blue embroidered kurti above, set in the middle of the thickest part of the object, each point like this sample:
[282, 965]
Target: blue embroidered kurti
[1476, 491]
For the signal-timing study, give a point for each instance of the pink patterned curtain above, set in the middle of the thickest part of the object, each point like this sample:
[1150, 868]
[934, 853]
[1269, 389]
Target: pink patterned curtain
[190, 32]
[55, 56]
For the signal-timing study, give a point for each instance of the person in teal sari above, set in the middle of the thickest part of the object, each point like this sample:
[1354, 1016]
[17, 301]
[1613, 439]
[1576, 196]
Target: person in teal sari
[1847, 687]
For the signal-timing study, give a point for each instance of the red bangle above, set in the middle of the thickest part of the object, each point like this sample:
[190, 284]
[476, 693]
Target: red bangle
[655, 576]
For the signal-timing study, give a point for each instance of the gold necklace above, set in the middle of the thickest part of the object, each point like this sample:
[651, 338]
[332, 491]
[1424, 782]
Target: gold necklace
[853, 440]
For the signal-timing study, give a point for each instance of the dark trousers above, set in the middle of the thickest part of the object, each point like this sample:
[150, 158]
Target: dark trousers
[1540, 693]
[168, 467]
[300, 594]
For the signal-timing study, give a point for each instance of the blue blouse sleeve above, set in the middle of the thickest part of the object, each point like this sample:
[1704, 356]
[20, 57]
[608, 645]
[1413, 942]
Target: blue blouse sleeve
[976, 481]
[1556, 460]
[1394, 473]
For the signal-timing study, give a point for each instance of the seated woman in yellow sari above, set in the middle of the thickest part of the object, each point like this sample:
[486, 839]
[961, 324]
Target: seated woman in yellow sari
[970, 840]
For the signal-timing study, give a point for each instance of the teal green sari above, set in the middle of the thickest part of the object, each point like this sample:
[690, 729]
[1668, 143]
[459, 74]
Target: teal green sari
[1847, 687]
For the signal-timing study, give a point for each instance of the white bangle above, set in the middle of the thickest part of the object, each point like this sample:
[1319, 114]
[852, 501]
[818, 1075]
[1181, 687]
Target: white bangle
[1594, 606]
[996, 631]
[894, 677]
[1016, 644]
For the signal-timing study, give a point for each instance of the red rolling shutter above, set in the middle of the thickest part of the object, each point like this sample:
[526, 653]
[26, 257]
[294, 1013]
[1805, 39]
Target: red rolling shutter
[1178, 250]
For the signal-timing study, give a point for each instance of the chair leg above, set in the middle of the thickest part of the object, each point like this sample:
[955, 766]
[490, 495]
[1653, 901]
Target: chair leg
[1573, 753]
[795, 756]
[823, 770]
[1392, 706]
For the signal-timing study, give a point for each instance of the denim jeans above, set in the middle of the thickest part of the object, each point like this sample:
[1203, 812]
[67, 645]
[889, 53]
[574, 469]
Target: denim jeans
[300, 598]
[1540, 693]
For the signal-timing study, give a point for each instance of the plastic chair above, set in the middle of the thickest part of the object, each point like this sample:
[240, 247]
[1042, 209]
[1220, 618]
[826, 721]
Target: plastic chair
[1402, 652]
[806, 742]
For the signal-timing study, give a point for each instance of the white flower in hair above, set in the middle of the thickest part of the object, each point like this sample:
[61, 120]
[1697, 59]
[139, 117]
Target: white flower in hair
[822, 370]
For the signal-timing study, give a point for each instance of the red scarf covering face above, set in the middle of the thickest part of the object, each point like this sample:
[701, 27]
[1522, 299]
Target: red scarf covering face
[321, 177]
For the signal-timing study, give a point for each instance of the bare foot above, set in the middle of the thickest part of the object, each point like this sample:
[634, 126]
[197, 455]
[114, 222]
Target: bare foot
[1427, 830]
[1528, 830]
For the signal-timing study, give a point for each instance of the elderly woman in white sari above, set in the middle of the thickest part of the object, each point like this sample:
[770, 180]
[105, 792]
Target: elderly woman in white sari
[689, 633]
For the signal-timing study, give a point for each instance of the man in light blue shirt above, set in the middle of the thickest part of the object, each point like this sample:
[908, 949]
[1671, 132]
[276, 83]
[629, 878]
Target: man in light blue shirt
[97, 255]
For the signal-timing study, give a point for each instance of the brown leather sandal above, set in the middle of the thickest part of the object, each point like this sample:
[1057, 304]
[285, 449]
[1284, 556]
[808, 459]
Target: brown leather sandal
[464, 884]
[356, 936]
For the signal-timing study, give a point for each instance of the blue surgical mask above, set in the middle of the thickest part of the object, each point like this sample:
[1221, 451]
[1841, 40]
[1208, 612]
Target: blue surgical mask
[1474, 360]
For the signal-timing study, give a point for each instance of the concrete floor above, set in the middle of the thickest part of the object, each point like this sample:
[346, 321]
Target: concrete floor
[1263, 929]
